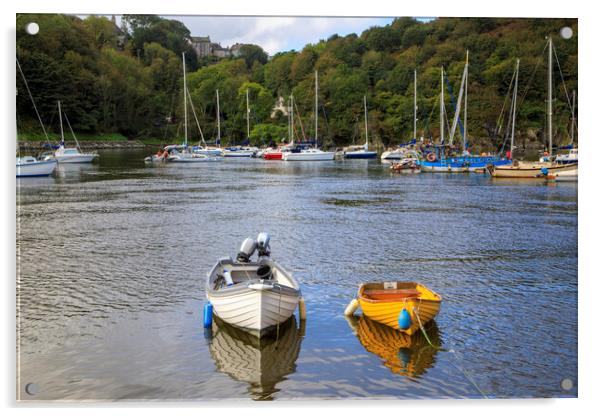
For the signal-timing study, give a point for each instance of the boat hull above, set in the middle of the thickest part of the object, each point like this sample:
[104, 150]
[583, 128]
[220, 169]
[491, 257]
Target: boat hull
[307, 157]
[238, 154]
[82, 158]
[256, 307]
[422, 309]
[35, 169]
[272, 156]
[564, 176]
[527, 170]
[360, 155]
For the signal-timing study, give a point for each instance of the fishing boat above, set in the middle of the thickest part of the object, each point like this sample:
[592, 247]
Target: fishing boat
[405, 306]
[184, 153]
[69, 154]
[403, 354]
[310, 154]
[255, 296]
[440, 160]
[533, 170]
[28, 166]
[260, 362]
[361, 152]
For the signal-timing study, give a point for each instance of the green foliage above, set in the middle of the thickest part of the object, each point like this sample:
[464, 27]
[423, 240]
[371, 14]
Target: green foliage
[130, 82]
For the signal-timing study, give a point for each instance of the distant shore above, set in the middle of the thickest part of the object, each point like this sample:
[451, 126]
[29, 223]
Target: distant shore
[38, 146]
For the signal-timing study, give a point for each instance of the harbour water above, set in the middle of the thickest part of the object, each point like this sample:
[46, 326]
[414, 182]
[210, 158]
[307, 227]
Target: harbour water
[112, 259]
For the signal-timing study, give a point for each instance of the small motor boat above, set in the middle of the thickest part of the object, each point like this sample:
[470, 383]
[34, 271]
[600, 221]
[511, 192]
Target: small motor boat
[256, 296]
[407, 165]
[405, 306]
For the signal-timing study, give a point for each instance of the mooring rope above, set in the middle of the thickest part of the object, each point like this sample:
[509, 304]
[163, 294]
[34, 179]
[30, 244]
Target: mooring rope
[453, 351]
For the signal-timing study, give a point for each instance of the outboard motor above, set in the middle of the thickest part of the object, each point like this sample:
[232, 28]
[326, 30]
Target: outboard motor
[247, 248]
[263, 244]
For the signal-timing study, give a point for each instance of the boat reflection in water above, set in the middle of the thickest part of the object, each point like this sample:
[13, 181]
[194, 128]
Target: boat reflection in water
[409, 356]
[262, 362]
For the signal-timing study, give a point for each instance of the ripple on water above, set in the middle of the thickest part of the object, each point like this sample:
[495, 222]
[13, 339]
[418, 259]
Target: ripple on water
[112, 261]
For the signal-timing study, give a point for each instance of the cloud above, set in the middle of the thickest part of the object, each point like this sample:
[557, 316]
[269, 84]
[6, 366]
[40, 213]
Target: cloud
[275, 34]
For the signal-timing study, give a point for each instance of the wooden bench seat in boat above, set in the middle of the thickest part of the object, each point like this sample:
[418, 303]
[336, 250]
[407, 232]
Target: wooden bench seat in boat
[390, 294]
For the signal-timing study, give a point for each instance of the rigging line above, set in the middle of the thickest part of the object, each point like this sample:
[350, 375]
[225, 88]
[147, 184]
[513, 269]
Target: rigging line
[498, 124]
[568, 100]
[539, 61]
[196, 119]
[327, 128]
[32, 101]
[300, 121]
[72, 133]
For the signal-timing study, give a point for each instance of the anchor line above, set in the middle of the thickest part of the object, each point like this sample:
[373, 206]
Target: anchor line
[453, 351]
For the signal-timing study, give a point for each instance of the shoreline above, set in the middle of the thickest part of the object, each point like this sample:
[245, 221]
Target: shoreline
[25, 146]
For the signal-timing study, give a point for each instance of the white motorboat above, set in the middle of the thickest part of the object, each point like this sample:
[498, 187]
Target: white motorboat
[256, 296]
[29, 166]
[69, 154]
[571, 157]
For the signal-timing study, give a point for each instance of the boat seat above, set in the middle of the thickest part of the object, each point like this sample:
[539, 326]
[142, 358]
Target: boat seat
[391, 294]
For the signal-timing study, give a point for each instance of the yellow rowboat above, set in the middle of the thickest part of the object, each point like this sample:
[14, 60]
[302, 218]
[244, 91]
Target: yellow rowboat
[401, 305]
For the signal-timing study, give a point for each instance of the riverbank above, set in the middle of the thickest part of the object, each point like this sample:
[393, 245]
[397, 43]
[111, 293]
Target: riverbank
[38, 146]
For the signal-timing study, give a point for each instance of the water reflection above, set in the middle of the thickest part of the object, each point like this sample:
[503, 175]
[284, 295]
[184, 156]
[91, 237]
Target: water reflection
[263, 363]
[406, 355]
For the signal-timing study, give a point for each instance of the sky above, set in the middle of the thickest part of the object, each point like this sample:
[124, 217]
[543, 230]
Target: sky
[276, 34]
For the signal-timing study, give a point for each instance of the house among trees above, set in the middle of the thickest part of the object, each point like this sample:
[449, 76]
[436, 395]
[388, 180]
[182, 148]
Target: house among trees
[203, 47]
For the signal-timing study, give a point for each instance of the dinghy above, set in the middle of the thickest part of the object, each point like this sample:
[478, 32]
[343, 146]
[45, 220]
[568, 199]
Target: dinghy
[405, 306]
[256, 296]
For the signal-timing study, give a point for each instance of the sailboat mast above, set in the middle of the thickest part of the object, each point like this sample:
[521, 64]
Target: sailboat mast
[185, 101]
[573, 119]
[316, 121]
[366, 122]
[550, 47]
[219, 137]
[465, 105]
[415, 106]
[442, 111]
[248, 130]
[61, 123]
[514, 98]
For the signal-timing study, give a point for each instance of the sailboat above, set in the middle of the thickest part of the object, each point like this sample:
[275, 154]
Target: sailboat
[183, 154]
[28, 166]
[438, 161]
[244, 150]
[404, 153]
[535, 170]
[312, 153]
[361, 152]
[69, 154]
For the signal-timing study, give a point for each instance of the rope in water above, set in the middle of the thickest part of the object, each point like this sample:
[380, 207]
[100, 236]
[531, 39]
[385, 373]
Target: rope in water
[452, 351]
